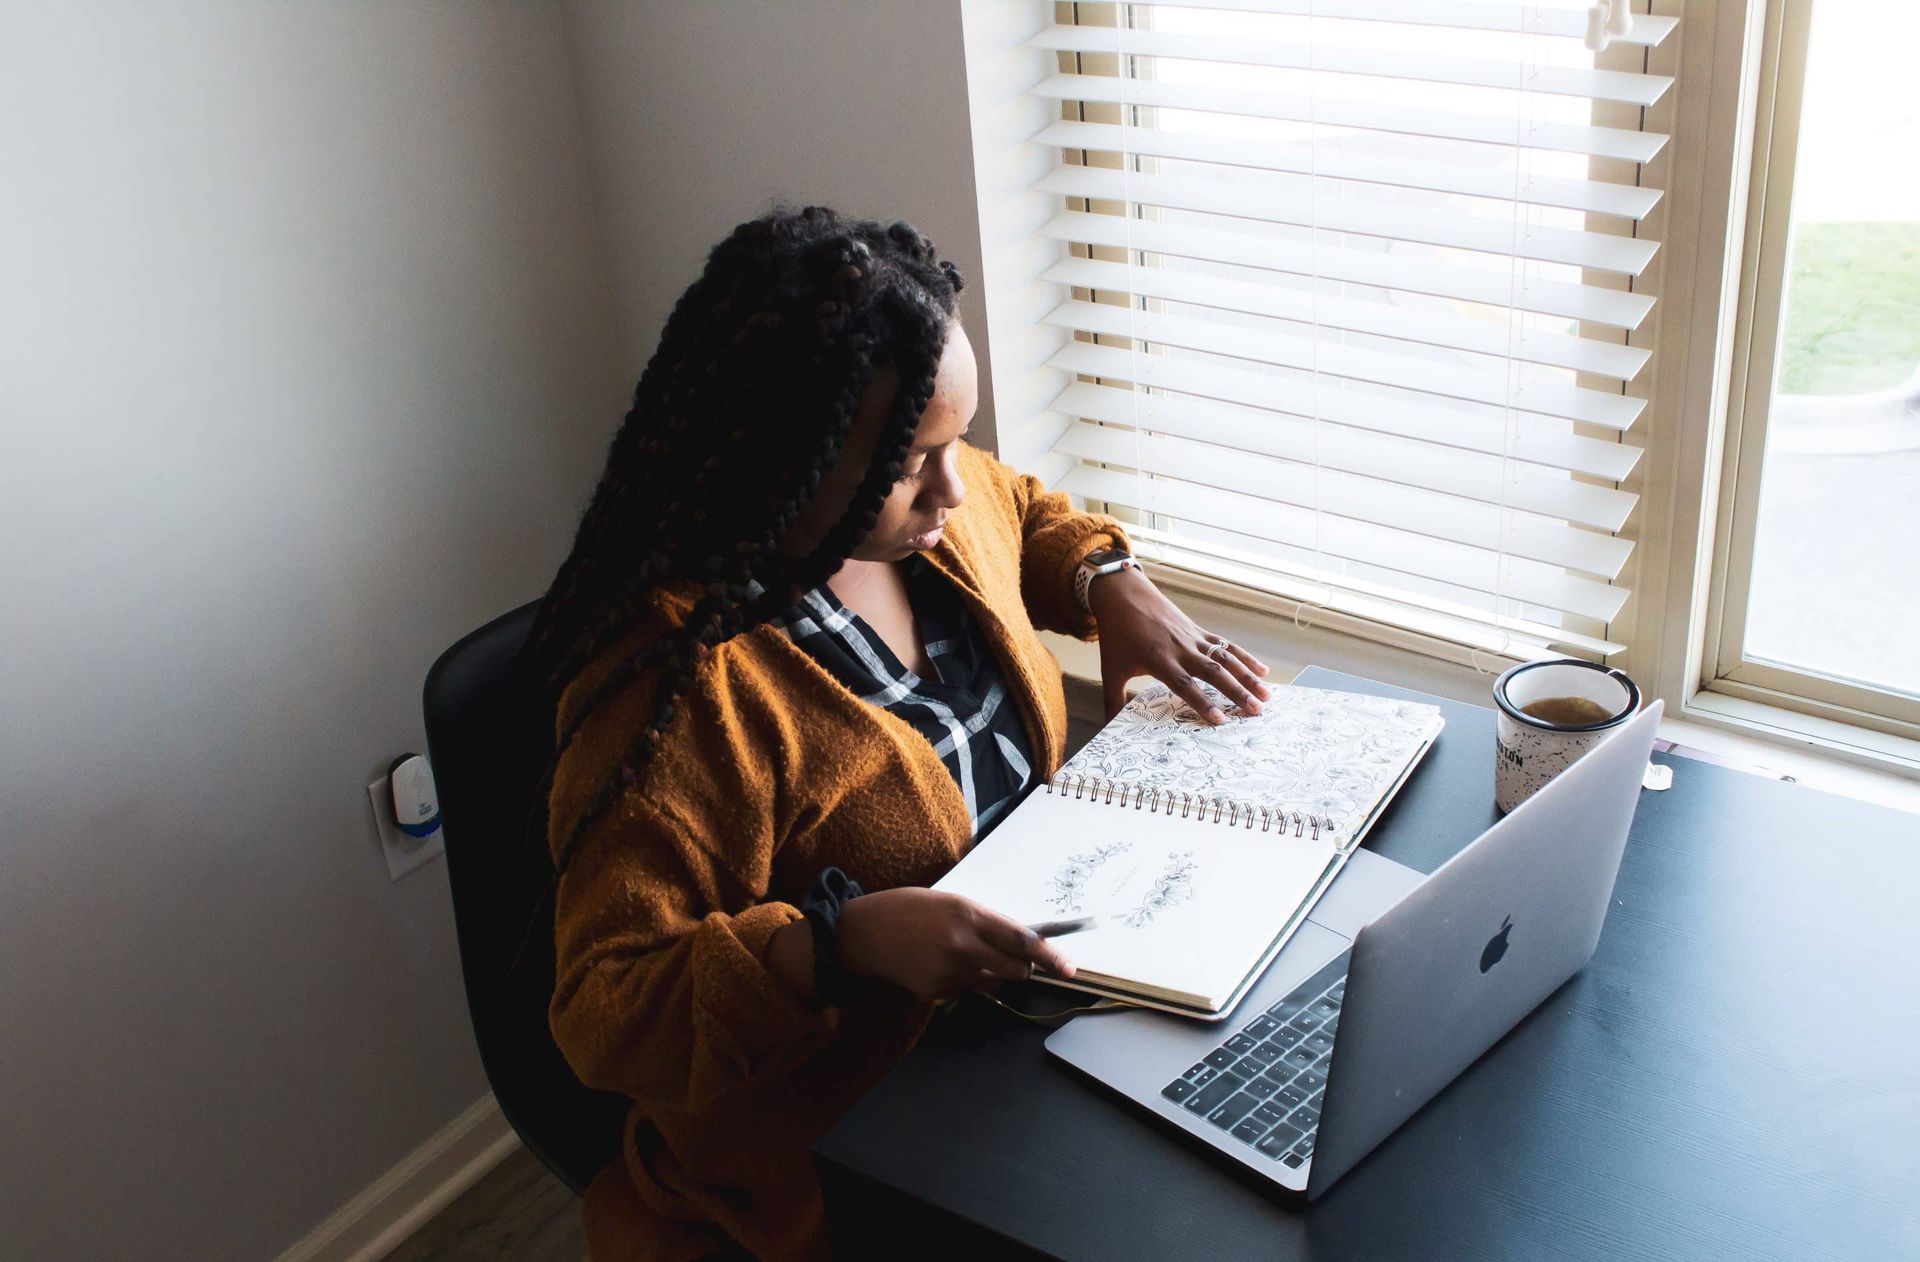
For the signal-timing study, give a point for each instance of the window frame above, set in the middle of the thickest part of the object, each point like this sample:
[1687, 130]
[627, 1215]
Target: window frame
[1708, 162]
[1725, 666]
[1688, 463]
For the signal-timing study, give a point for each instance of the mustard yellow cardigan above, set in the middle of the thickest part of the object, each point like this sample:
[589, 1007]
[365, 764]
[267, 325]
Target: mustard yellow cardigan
[773, 771]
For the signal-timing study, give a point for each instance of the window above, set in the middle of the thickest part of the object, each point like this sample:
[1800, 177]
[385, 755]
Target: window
[1335, 298]
[1817, 589]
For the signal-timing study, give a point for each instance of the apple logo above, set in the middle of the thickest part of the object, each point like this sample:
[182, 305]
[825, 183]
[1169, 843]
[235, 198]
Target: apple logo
[1496, 946]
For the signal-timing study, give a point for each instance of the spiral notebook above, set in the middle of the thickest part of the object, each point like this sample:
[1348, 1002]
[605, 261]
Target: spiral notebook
[1201, 849]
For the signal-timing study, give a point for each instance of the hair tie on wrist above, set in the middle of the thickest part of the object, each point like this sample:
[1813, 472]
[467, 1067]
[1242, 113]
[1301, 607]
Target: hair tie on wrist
[830, 892]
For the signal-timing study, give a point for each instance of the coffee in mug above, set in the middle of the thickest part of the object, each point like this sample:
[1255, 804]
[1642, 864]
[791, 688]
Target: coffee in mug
[1566, 711]
[1550, 714]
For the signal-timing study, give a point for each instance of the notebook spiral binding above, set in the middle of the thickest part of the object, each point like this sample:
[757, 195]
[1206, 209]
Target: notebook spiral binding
[1196, 806]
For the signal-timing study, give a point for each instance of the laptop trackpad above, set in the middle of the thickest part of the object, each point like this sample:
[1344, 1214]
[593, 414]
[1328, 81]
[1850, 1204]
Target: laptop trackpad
[1366, 888]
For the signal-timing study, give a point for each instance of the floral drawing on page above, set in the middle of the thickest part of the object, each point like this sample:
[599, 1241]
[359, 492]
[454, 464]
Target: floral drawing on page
[1331, 753]
[1069, 883]
[1173, 887]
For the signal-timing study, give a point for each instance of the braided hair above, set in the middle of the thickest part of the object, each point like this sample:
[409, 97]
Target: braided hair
[741, 413]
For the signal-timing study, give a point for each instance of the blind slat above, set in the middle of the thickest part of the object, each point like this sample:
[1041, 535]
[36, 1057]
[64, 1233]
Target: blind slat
[1337, 493]
[1523, 76]
[1456, 564]
[1419, 224]
[1381, 269]
[1425, 420]
[1466, 15]
[1626, 200]
[1302, 305]
[1395, 458]
[1490, 129]
[1500, 386]
[1380, 602]
[1365, 295]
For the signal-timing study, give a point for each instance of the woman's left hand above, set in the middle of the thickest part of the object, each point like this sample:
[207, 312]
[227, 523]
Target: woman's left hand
[1144, 633]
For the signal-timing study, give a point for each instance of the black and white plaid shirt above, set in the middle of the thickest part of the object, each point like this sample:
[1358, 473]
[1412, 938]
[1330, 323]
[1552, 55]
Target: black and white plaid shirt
[964, 712]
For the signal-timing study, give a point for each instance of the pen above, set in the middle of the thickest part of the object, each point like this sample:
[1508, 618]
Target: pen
[1061, 928]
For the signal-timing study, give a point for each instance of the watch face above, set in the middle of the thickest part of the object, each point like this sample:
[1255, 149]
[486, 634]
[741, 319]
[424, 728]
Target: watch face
[1104, 557]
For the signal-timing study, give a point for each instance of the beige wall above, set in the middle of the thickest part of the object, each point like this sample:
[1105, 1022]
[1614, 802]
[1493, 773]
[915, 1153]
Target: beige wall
[699, 114]
[314, 321]
[306, 366]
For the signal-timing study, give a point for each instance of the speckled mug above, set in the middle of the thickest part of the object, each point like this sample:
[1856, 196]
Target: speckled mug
[1528, 751]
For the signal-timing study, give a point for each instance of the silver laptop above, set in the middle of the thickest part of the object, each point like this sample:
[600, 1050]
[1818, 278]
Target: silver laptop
[1393, 986]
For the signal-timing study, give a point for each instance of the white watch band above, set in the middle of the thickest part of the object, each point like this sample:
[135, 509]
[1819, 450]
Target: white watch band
[1083, 579]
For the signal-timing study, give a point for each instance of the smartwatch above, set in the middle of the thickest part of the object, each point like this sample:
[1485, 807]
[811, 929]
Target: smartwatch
[1093, 565]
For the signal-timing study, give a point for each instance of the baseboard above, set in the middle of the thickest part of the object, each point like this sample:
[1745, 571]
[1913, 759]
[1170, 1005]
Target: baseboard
[393, 1206]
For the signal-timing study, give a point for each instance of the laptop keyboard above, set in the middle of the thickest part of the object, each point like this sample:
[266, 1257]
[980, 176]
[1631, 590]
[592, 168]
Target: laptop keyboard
[1263, 1085]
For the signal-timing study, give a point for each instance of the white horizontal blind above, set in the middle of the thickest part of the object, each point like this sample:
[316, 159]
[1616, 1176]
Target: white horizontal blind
[1346, 289]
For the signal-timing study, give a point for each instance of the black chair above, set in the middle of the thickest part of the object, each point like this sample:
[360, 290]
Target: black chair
[489, 753]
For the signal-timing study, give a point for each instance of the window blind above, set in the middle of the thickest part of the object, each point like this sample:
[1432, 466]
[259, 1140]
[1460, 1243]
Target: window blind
[1346, 290]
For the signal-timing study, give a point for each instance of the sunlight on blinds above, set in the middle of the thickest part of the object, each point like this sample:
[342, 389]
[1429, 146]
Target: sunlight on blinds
[1348, 293]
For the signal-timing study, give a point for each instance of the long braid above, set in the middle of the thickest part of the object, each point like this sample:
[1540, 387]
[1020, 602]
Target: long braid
[667, 394]
[724, 614]
[766, 355]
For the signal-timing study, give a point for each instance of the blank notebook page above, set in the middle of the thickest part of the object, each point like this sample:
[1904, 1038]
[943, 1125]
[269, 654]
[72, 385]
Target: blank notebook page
[1186, 906]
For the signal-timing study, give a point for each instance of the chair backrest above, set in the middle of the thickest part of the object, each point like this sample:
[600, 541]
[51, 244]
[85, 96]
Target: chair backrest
[489, 751]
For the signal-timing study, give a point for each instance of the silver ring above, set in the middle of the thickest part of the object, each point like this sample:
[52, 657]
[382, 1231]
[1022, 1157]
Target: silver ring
[1218, 647]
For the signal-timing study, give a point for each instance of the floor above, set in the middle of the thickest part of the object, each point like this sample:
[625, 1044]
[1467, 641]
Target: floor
[516, 1213]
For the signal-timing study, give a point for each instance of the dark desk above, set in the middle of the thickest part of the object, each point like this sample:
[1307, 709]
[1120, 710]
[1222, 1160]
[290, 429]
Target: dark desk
[1736, 1074]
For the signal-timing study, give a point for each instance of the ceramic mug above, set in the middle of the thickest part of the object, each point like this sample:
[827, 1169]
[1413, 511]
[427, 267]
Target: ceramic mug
[1528, 750]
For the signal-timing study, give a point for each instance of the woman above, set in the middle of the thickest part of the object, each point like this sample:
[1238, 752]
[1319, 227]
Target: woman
[793, 657]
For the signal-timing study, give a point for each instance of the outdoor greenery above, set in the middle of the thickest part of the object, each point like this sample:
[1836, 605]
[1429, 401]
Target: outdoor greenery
[1852, 308]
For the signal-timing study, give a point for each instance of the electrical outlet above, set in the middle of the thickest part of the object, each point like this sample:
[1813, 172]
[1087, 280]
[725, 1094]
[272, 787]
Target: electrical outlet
[404, 853]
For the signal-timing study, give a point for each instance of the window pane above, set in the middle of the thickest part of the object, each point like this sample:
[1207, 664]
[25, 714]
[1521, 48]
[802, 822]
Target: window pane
[1836, 578]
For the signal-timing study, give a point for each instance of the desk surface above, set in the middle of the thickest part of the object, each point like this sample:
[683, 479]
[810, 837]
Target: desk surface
[1736, 1074]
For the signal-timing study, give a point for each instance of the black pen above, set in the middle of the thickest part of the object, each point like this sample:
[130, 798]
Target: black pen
[1061, 928]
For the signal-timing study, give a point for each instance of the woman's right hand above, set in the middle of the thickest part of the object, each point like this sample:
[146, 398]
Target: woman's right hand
[937, 944]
